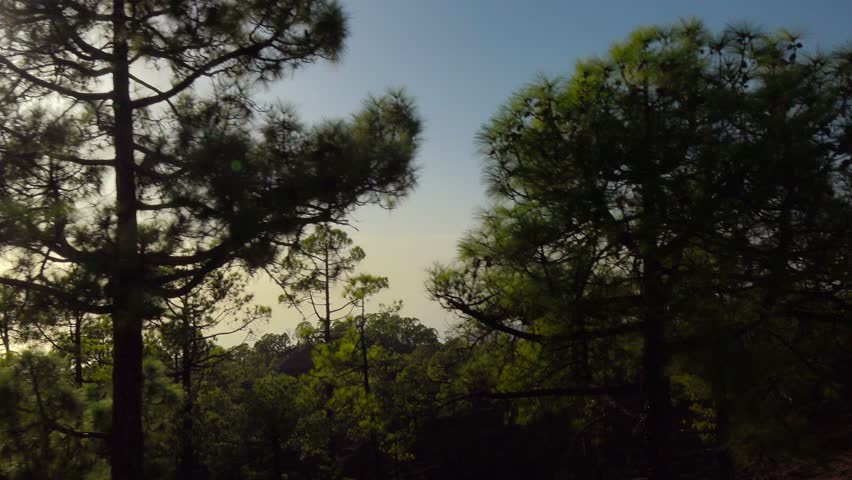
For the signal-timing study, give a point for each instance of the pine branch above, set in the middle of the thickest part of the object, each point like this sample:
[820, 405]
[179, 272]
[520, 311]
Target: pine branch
[58, 293]
[54, 87]
[199, 72]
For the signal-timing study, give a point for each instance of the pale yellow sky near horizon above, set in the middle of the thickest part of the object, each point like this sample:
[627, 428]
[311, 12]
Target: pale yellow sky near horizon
[402, 256]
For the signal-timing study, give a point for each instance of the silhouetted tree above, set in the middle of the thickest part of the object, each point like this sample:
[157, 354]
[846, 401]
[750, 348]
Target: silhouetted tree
[309, 272]
[196, 185]
[682, 158]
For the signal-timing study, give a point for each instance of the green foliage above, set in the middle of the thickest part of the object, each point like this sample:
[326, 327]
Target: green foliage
[201, 184]
[52, 428]
[360, 287]
[665, 264]
[39, 407]
[680, 207]
[399, 334]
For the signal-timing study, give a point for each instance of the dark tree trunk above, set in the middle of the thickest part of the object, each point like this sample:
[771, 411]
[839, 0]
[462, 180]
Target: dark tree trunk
[727, 468]
[126, 283]
[4, 332]
[655, 314]
[329, 391]
[582, 353]
[277, 467]
[365, 366]
[78, 349]
[127, 377]
[327, 319]
[657, 387]
[187, 462]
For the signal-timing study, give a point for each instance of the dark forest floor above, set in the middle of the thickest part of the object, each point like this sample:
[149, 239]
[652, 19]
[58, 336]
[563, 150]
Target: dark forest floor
[835, 464]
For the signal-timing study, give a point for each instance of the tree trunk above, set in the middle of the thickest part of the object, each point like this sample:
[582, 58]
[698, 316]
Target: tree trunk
[187, 464]
[657, 387]
[78, 349]
[654, 356]
[582, 353]
[365, 367]
[127, 378]
[327, 320]
[329, 390]
[727, 468]
[4, 332]
[126, 282]
[374, 442]
[277, 464]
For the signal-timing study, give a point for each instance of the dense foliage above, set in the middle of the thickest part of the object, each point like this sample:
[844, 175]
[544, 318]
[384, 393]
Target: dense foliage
[196, 182]
[674, 219]
[660, 287]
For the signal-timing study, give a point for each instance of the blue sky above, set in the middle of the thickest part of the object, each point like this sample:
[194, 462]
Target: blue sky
[461, 60]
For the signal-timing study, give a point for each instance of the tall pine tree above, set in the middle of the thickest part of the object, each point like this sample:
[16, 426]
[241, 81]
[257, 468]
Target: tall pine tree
[684, 170]
[149, 188]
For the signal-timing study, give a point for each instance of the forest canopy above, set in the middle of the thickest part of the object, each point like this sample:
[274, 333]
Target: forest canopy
[659, 287]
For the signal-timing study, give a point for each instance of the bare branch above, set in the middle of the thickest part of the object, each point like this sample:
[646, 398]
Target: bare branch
[77, 95]
[199, 72]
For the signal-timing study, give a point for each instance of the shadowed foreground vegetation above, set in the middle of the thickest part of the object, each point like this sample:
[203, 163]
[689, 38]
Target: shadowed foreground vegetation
[659, 288]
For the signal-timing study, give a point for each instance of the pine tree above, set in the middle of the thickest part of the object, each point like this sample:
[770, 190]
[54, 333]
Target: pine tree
[681, 175]
[148, 187]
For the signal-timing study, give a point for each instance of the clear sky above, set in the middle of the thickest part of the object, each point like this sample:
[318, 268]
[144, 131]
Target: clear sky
[462, 59]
